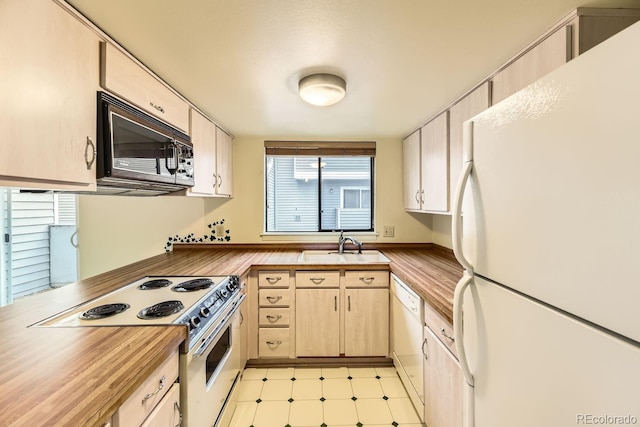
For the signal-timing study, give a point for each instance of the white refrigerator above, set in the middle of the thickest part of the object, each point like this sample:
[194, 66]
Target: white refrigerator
[547, 226]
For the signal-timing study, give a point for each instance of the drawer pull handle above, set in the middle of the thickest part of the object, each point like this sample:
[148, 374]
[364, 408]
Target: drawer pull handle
[273, 280]
[274, 343]
[157, 107]
[156, 391]
[424, 343]
[275, 299]
[176, 407]
[317, 280]
[367, 280]
[444, 334]
[274, 319]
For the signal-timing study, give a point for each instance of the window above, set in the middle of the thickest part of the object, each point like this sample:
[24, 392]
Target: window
[314, 193]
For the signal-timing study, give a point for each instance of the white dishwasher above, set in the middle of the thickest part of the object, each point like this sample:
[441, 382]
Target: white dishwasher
[407, 314]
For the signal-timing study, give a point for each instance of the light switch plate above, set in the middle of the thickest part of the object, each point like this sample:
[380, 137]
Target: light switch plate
[388, 231]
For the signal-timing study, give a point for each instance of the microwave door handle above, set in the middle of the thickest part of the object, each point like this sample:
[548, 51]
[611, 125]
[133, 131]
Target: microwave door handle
[172, 151]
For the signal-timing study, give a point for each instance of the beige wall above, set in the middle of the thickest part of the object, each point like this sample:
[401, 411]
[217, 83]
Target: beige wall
[116, 231]
[244, 215]
[442, 230]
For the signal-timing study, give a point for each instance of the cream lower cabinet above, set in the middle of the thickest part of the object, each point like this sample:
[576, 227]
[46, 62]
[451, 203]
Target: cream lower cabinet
[317, 322]
[156, 403]
[366, 322]
[342, 313]
[274, 300]
[443, 379]
[48, 81]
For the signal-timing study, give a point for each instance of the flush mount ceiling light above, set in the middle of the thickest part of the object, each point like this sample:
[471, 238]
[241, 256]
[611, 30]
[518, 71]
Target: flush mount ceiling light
[322, 89]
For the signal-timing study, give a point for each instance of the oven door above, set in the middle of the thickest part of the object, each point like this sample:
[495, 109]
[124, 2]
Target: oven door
[208, 375]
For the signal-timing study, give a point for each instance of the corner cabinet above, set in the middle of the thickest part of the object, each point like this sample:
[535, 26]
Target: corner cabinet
[213, 158]
[425, 156]
[48, 80]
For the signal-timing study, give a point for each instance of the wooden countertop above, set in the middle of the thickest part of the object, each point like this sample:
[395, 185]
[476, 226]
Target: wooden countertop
[80, 376]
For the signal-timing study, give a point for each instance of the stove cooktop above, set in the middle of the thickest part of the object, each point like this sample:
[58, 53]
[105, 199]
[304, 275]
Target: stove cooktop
[147, 301]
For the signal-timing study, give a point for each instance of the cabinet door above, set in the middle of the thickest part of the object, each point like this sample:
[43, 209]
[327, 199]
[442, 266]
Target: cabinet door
[411, 171]
[317, 322]
[123, 76]
[366, 322]
[203, 138]
[442, 384]
[474, 103]
[545, 57]
[224, 163]
[48, 81]
[434, 153]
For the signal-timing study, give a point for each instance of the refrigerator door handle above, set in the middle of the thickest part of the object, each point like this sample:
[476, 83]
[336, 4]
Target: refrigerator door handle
[456, 223]
[458, 297]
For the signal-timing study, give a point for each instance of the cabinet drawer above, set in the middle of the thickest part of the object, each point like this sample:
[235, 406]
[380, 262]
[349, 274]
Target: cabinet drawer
[274, 297]
[273, 342]
[317, 279]
[167, 413]
[274, 317]
[273, 279]
[367, 279]
[136, 408]
[440, 327]
[119, 74]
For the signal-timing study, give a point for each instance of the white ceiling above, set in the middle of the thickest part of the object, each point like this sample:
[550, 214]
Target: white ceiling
[403, 60]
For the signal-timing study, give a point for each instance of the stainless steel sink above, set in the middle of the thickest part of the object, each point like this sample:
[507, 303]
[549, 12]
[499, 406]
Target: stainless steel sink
[333, 257]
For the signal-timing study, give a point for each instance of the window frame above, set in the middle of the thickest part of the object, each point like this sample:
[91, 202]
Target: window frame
[319, 158]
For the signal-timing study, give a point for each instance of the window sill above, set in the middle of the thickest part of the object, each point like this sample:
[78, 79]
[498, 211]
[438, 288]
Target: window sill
[364, 236]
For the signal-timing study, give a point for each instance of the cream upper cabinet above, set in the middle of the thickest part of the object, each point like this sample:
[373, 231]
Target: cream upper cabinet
[213, 158]
[425, 156]
[574, 35]
[434, 146]
[123, 76]
[411, 171]
[48, 81]
[366, 322]
[317, 322]
[224, 163]
[540, 60]
[473, 103]
[203, 138]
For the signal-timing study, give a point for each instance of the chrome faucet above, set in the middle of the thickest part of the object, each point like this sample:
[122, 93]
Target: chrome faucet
[342, 240]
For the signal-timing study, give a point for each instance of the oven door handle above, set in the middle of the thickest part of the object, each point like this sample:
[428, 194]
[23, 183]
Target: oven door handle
[205, 343]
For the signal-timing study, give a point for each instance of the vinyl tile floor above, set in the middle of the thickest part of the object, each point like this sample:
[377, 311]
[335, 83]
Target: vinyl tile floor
[326, 397]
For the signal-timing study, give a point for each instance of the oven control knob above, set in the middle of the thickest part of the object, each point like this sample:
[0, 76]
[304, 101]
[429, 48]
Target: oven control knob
[194, 322]
[204, 311]
[224, 293]
[231, 286]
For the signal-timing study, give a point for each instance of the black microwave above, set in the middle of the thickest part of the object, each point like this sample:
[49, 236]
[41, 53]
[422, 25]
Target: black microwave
[138, 154]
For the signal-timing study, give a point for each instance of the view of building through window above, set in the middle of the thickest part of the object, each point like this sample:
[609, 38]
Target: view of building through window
[39, 238]
[310, 194]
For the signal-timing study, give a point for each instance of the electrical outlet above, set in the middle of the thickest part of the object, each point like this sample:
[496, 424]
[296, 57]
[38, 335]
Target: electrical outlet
[389, 231]
[219, 230]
